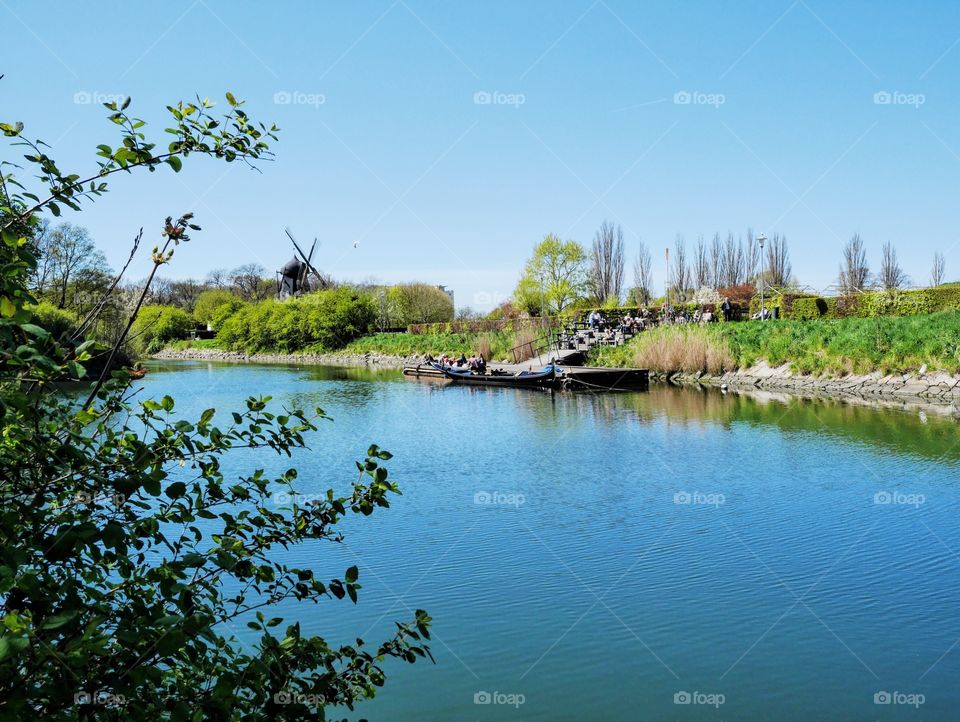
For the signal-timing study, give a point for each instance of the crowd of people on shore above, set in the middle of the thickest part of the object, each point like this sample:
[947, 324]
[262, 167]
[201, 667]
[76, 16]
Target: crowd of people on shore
[476, 363]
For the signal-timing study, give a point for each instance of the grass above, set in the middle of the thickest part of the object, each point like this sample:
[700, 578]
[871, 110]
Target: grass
[199, 343]
[493, 345]
[851, 345]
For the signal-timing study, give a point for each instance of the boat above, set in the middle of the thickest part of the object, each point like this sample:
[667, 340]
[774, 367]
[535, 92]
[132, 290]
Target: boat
[138, 372]
[546, 378]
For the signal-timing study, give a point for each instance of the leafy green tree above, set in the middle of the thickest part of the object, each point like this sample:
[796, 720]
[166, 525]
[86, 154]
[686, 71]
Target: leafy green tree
[209, 301]
[417, 303]
[156, 326]
[124, 550]
[555, 276]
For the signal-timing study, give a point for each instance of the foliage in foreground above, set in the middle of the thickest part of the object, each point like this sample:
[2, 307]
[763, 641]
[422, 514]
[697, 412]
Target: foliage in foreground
[125, 550]
[850, 345]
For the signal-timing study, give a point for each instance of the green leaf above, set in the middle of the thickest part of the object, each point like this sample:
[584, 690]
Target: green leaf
[58, 620]
[7, 307]
[176, 490]
[174, 162]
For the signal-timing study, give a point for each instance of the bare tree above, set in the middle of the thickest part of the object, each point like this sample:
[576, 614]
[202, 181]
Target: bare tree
[71, 251]
[854, 271]
[607, 262]
[643, 275]
[680, 272]
[41, 242]
[701, 266]
[891, 274]
[218, 278]
[248, 280]
[751, 257]
[732, 263]
[938, 269]
[779, 269]
[716, 260]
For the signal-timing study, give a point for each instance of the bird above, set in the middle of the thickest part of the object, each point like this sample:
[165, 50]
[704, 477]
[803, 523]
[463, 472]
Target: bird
[356, 244]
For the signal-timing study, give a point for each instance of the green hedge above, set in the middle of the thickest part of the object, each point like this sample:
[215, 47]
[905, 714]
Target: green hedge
[156, 326]
[55, 320]
[871, 304]
[481, 326]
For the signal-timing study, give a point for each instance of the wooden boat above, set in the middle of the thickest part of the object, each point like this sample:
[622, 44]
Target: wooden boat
[546, 378]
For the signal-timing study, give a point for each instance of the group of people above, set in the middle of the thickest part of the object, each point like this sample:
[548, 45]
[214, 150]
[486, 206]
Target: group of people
[476, 363]
[626, 324]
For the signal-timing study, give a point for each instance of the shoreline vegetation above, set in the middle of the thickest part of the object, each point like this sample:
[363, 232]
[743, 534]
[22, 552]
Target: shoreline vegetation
[914, 357]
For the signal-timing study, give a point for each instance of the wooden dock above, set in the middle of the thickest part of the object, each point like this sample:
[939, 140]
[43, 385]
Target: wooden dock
[583, 378]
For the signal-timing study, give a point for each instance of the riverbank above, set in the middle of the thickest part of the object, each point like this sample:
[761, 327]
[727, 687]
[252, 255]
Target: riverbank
[937, 388]
[371, 358]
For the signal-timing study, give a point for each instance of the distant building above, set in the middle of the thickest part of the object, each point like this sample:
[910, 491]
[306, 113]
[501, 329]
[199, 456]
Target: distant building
[449, 292]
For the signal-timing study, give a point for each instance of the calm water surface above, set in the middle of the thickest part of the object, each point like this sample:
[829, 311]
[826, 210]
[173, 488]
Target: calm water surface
[607, 556]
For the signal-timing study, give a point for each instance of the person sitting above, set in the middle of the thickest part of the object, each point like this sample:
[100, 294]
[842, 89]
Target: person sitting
[472, 362]
[481, 364]
[462, 361]
[593, 320]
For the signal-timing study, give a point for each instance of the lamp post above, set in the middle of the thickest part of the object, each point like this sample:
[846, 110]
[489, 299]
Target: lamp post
[760, 239]
[542, 294]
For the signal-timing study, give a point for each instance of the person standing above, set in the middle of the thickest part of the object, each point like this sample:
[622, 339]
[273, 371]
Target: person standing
[727, 308]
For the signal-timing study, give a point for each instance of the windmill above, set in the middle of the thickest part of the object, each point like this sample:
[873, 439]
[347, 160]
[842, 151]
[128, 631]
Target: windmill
[295, 275]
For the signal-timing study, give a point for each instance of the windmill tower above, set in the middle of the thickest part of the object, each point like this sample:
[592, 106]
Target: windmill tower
[298, 275]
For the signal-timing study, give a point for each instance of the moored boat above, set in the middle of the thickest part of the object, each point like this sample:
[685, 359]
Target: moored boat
[546, 378]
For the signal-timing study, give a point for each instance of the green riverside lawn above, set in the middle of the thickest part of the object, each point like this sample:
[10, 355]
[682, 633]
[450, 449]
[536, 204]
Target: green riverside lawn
[851, 345]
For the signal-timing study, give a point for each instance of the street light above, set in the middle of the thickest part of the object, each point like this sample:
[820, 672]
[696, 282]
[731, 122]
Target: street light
[760, 239]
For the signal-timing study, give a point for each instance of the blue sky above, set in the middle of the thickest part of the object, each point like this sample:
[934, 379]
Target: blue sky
[439, 141]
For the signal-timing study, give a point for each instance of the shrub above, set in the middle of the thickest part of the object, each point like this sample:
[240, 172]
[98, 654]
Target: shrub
[55, 320]
[327, 320]
[158, 325]
[210, 301]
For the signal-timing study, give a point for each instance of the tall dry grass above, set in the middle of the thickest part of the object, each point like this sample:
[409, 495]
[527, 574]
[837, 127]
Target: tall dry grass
[687, 349]
[527, 338]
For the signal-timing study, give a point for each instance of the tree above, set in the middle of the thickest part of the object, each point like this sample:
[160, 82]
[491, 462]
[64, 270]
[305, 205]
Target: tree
[127, 550]
[417, 303]
[643, 275]
[554, 276]
[854, 271]
[732, 263]
[218, 278]
[249, 282]
[680, 272]
[937, 270]
[40, 238]
[701, 266]
[778, 269]
[71, 250]
[212, 299]
[751, 256]
[891, 275]
[606, 264]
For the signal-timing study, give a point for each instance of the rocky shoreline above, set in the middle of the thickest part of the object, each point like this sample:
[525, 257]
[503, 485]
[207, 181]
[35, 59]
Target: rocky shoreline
[927, 388]
[922, 388]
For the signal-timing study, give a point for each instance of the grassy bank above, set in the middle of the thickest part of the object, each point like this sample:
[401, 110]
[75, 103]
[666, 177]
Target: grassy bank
[850, 345]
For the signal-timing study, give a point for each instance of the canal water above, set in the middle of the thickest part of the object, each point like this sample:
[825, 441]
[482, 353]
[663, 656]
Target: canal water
[675, 554]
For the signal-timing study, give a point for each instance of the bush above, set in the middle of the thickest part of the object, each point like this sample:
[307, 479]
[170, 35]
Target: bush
[55, 320]
[326, 320]
[210, 301]
[409, 303]
[156, 326]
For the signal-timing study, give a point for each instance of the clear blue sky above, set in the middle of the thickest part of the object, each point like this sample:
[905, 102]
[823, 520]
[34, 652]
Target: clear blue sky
[400, 159]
